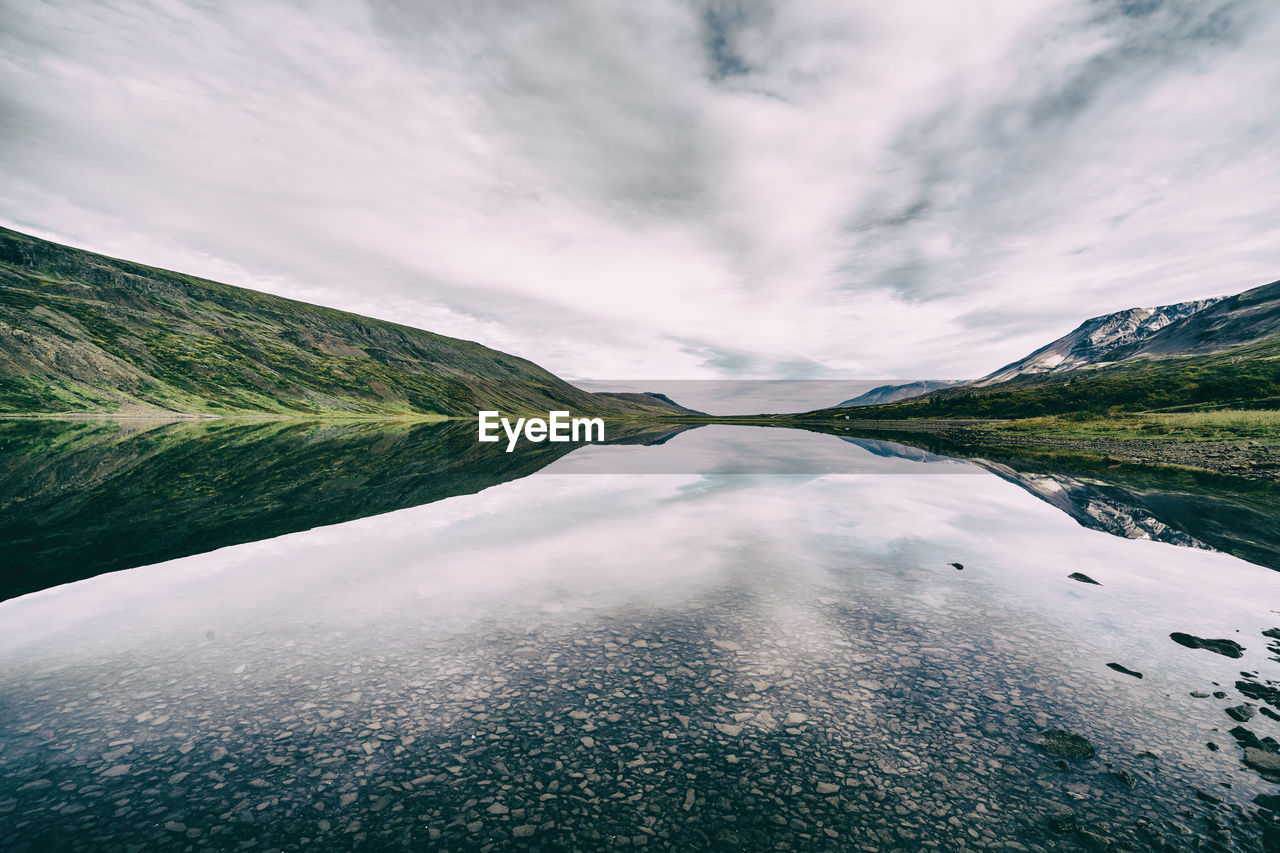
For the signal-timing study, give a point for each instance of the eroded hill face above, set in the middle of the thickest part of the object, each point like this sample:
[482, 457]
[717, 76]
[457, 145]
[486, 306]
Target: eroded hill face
[1096, 338]
[80, 332]
[1248, 318]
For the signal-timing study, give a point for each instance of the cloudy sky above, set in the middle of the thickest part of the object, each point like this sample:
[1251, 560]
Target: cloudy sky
[666, 189]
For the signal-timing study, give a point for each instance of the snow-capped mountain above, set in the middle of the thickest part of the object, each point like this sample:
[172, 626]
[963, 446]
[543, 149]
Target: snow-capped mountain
[1090, 342]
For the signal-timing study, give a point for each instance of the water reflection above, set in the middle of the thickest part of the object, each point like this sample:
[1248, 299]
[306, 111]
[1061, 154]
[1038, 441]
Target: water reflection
[1194, 509]
[79, 498]
[683, 660]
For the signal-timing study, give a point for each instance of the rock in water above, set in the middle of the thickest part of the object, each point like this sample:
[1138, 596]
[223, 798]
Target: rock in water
[1118, 668]
[1227, 648]
[958, 566]
[1125, 778]
[1241, 713]
[1064, 744]
[1265, 692]
[1265, 762]
[1083, 578]
[1063, 819]
[1247, 739]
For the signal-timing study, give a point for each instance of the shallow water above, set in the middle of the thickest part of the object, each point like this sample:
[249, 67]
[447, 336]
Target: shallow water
[695, 659]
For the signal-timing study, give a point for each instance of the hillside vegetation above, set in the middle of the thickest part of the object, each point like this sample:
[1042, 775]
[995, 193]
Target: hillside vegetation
[1195, 356]
[81, 332]
[1244, 378]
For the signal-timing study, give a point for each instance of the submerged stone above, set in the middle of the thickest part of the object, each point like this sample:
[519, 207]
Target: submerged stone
[1124, 669]
[1241, 713]
[1062, 820]
[1263, 692]
[1261, 760]
[1064, 744]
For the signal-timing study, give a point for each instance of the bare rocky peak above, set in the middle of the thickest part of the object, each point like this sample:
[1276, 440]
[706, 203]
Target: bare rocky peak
[1090, 342]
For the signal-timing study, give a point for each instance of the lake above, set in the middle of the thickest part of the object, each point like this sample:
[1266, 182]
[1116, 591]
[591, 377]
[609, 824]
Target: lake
[361, 636]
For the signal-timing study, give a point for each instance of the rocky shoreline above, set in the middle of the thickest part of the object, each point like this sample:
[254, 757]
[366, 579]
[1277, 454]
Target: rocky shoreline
[680, 733]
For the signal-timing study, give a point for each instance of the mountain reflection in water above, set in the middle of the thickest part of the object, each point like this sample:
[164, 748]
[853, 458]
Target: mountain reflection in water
[79, 498]
[741, 638]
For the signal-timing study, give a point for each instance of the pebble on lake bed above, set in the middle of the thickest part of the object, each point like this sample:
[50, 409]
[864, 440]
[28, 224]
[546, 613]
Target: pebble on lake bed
[1065, 744]
[856, 730]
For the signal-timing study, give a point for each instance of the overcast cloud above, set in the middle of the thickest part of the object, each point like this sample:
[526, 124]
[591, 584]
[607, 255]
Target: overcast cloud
[666, 189]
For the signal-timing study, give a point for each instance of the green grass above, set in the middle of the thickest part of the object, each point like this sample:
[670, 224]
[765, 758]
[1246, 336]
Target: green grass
[1246, 378]
[80, 332]
[1232, 425]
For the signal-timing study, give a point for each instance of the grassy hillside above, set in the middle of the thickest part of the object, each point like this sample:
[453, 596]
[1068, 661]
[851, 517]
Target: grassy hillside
[80, 332]
[1246, 377]
[1225, 355]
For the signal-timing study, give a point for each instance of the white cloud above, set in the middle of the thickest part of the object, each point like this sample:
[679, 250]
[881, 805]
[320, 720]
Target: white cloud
[669, 189]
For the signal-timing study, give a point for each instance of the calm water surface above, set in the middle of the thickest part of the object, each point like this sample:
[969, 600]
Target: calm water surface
[766, 645]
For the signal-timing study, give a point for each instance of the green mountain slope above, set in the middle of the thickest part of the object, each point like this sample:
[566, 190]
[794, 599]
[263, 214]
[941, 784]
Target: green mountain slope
[1246, 378]
[1224, 356]
[81, 332]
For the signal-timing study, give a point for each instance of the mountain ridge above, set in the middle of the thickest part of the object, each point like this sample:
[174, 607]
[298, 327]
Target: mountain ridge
[82, 332]
[1244, 318]
[882, 394]
[1220, 353]
[1096, 338]
[654, 399]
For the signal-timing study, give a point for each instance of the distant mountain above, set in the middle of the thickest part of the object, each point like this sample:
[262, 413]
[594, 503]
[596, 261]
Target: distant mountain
[894, 393]
[651, 398]
[1096, 339]
[1206, 354]
[81, 332]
